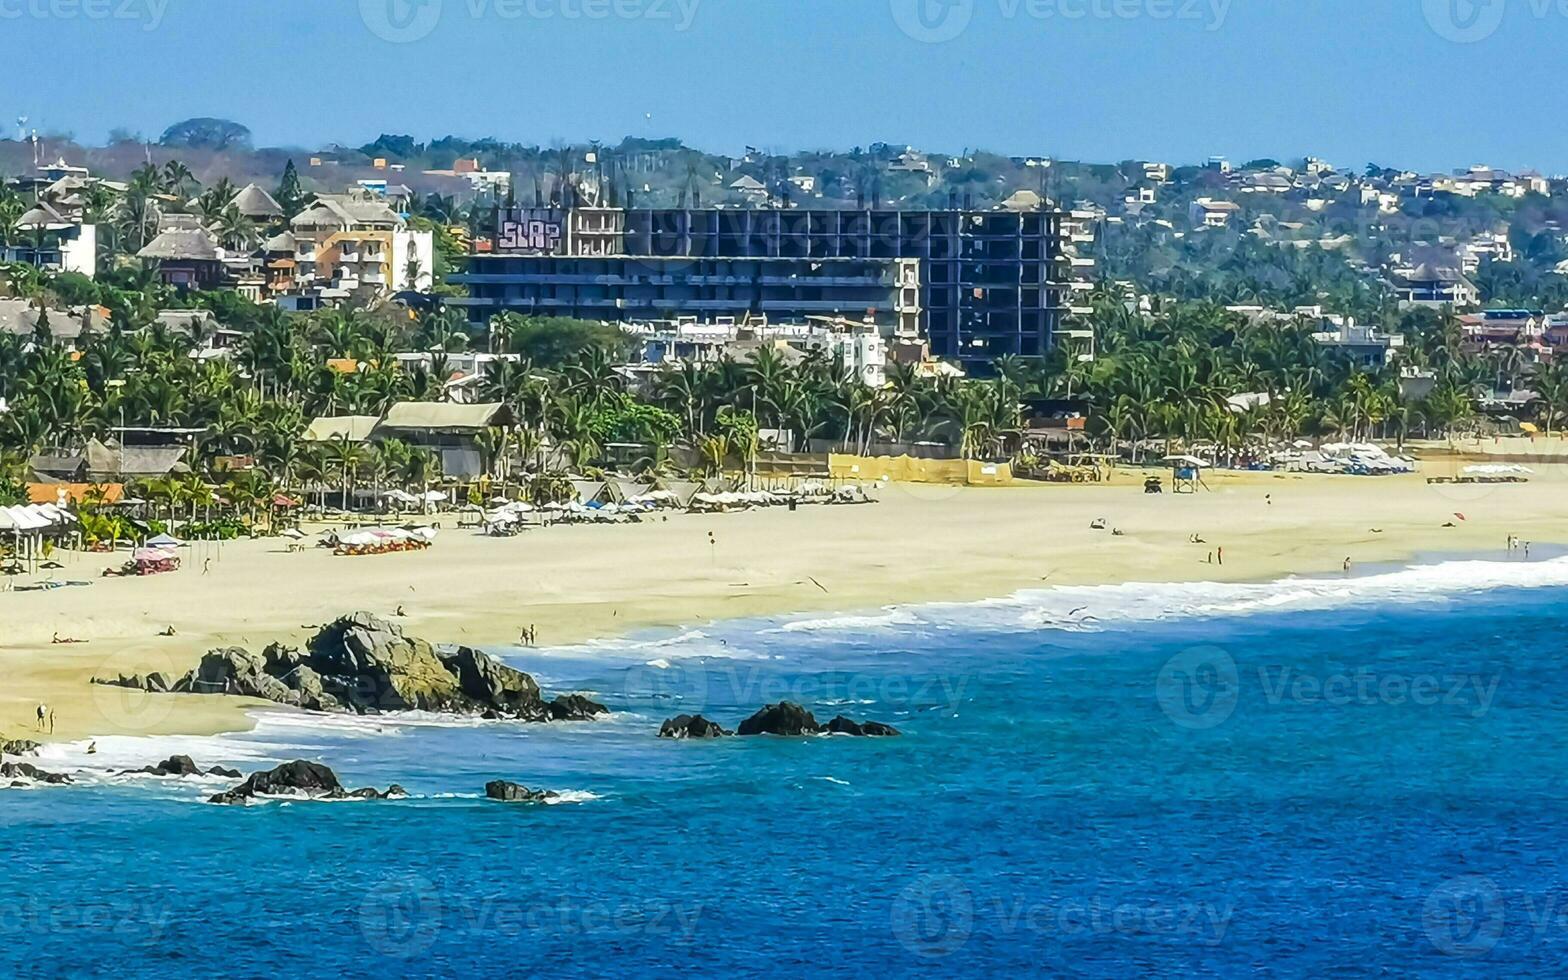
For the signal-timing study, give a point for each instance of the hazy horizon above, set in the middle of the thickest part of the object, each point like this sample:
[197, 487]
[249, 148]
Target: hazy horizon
[1091, 80]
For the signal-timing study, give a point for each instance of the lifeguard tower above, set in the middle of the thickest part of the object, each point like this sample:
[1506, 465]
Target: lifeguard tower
[1186, 473]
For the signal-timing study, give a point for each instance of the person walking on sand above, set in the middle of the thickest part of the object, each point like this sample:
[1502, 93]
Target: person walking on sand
[45, 715]
[1221, 553]
[1347, 565]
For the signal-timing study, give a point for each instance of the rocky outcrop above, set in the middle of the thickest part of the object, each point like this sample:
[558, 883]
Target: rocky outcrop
[20, 746]
[306, 780]
[790, 719]
[575, 707]
[785, 718]
[23, 773]
[505, 792]
[182, 765]
[486, 681]
[692, 726]
[873, 729]
[365, 664]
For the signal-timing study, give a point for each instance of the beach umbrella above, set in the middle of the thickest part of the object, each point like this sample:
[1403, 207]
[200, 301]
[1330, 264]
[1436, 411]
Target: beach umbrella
[162, 541]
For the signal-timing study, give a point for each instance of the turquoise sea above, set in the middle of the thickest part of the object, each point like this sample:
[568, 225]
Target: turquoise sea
[1337, 777]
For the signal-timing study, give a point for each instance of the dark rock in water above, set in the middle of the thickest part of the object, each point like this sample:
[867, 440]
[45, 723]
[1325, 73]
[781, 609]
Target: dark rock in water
[500, 789]
[575, 707]
[691, 726]
[394, 792]
[175, 765]
[290, 779]
[310, 780]
[785, 718]
[182, 765]
[848, 726]
[20, 771]
[19, 746]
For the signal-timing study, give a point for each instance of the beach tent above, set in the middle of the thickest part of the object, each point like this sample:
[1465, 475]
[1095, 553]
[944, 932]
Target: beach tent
[589, 491]
[162, 541]
[683, 490]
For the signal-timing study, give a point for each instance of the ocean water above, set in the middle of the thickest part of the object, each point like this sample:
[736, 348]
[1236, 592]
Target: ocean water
[1336, 777]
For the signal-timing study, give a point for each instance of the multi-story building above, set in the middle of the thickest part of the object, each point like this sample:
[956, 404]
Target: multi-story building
[345, 244]
[859, 346]
[1433, 279]
[978, 284]
[1365, 345]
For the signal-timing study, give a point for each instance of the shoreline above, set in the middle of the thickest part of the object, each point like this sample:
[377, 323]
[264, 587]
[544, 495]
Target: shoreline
[920, 544]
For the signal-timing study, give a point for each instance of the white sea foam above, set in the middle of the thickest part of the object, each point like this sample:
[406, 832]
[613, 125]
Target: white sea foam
[572, 796]
[1097, 607]
[891, 617]
[831, 779]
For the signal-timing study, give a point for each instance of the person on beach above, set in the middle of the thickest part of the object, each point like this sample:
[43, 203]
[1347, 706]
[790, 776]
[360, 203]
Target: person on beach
[1347, 565]
[45, 714]
[1221, 553]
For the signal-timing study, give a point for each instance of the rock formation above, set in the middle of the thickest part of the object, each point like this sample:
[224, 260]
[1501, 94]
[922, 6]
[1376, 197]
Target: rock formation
[365, 664]
[306, 780]
[692, 726]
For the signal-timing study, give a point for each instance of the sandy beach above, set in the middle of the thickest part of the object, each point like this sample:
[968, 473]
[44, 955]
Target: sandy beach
[918, 543]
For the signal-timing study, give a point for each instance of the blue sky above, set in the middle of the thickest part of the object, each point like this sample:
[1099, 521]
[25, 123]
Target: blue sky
[1432, 84]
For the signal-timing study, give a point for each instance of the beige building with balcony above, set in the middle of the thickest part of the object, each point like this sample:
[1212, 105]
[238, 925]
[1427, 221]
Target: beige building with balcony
[350, 243]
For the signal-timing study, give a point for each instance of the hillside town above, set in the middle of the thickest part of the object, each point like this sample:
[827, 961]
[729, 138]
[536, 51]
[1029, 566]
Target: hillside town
[640, 309]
